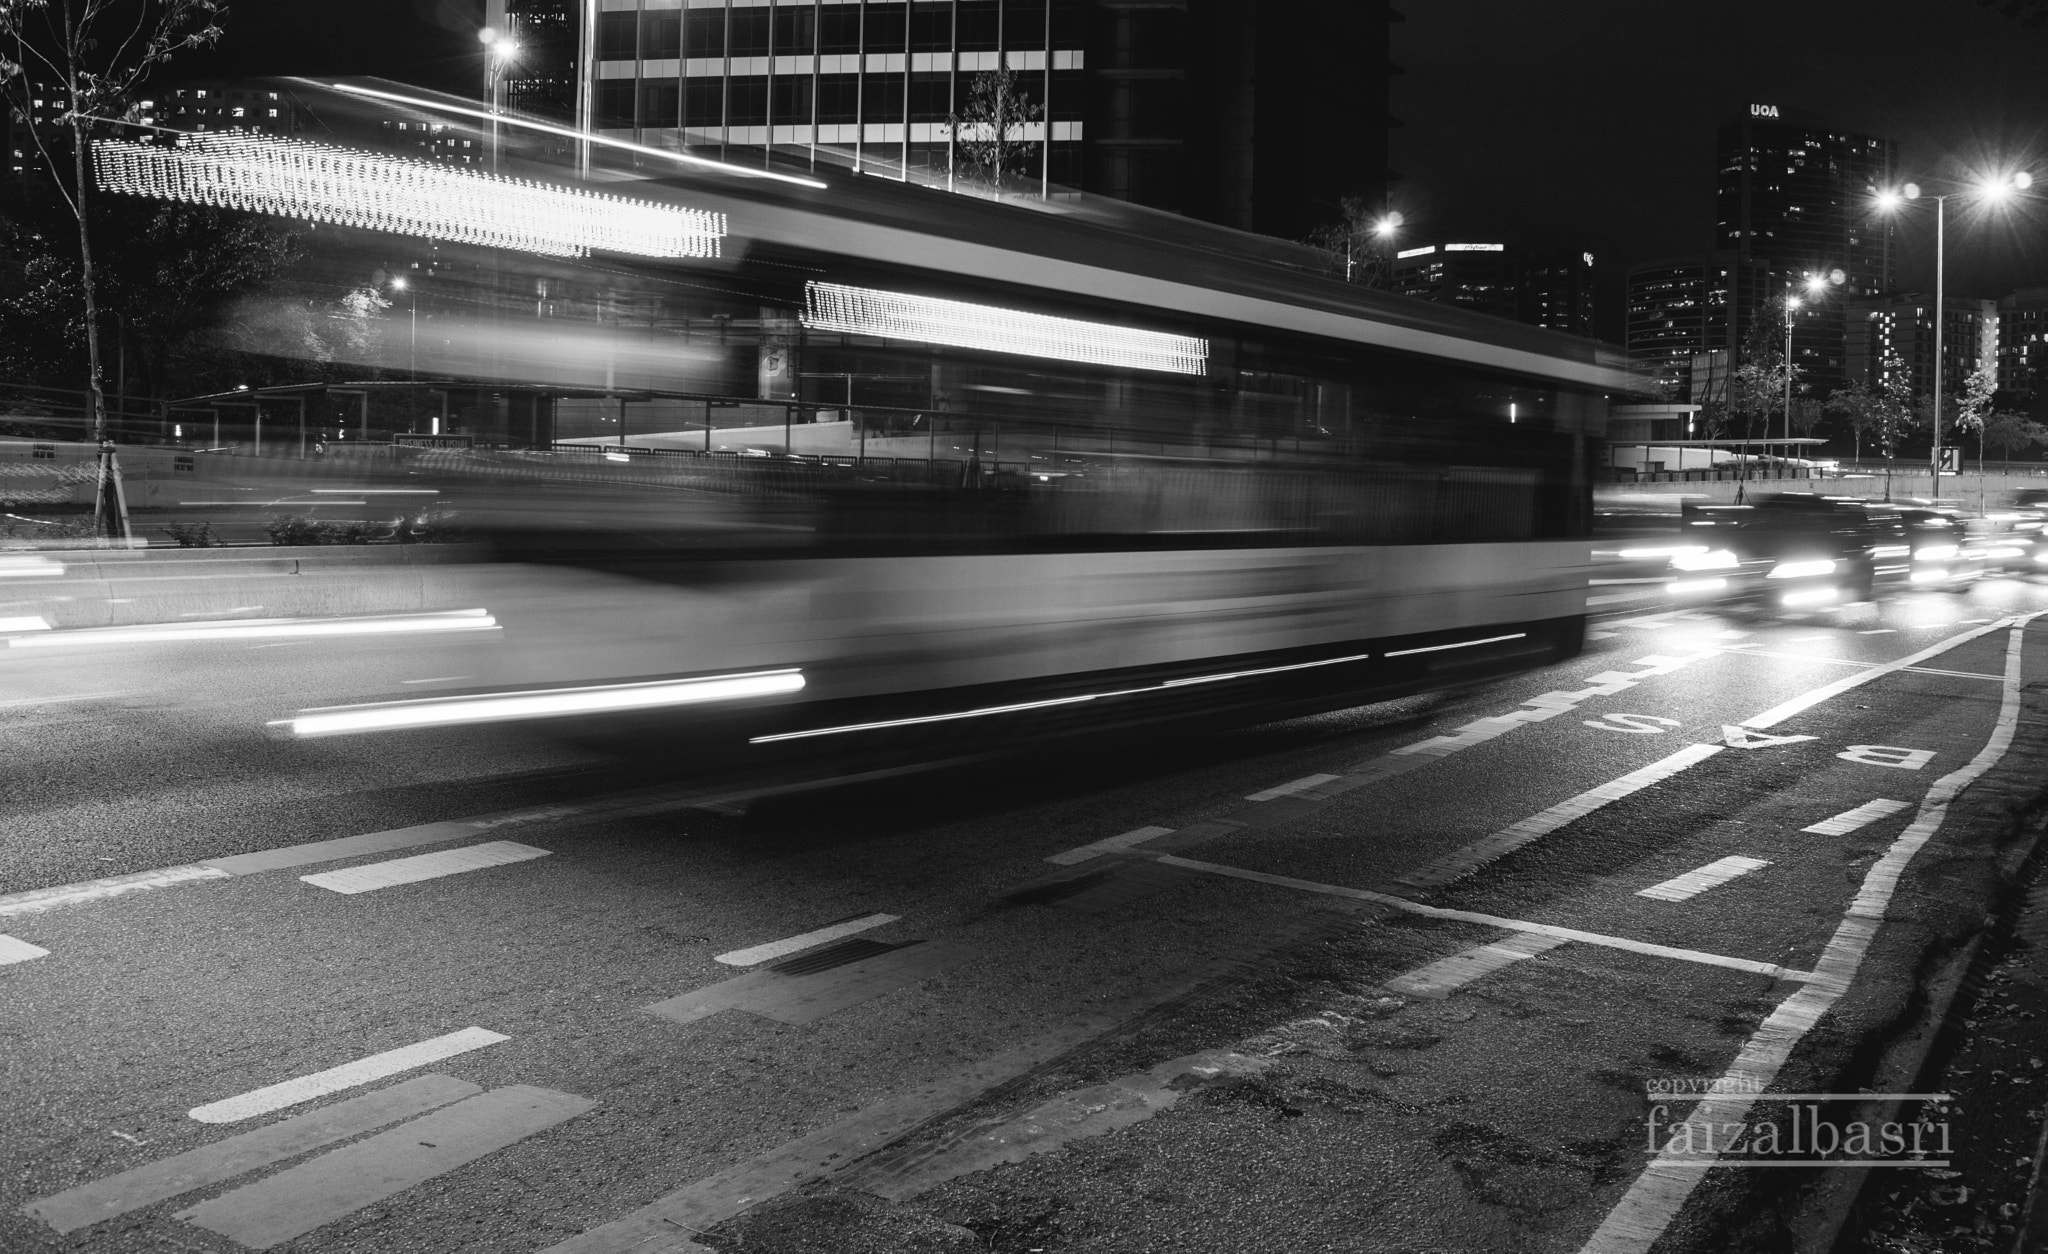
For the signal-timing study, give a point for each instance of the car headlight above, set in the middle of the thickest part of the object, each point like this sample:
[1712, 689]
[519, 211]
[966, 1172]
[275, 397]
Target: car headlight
[1935, 553]
[1803, 570]
[1716, 559]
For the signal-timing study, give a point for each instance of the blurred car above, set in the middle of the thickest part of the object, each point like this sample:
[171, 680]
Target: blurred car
[2016, 538]
[1792, 551]
[1946, 548]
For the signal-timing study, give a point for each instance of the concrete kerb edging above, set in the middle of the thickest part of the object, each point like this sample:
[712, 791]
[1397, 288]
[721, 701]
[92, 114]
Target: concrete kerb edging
[1827, 1205]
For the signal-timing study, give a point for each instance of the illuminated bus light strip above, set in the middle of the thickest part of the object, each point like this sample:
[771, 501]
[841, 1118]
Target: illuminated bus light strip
[262, 629]
[886, 724]
[549, 703]
[1462, 644]
[989, 328]
[347, 187]
[604, 141]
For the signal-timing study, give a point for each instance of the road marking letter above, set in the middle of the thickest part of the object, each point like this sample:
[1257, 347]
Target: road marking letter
[1887, 755]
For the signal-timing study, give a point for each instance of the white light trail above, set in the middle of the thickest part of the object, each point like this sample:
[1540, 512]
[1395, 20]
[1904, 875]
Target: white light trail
[322, 183]
[899, 316]
[545, 703]
[29, 566]
[263, 629]
[589, 137]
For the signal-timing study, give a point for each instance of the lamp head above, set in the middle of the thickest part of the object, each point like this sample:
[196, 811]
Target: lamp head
[398, 284]
[486, 35]
[1816, 284]
[1386, 226]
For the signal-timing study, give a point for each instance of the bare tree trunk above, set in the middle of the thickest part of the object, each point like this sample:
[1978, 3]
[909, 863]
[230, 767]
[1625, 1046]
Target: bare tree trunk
[96, 401]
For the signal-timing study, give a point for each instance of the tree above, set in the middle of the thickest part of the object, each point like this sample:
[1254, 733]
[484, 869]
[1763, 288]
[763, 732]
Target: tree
[988, 134]
[1974, 407]
[2006, 432]
[1883, 411]
[96, 52]
[1357, 247]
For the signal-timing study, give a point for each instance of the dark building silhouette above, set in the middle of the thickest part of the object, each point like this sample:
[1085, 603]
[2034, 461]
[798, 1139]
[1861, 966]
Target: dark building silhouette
[1682, 308]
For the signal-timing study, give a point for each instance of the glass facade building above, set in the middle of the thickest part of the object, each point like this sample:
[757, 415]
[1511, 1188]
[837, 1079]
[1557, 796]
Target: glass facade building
[1680, 308]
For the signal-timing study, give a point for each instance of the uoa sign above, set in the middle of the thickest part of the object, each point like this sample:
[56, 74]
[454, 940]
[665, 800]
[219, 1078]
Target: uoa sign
[1763, 111]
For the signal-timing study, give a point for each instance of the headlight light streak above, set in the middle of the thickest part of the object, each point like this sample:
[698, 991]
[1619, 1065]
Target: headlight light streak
[322, 183]
[989, 328]
[545, 703]
[1809, 596]
[1682, 587]
[263, 629]
[29, 566]
[1168, 685]
[1718, 559]
[1802, 570]
[1936, 553]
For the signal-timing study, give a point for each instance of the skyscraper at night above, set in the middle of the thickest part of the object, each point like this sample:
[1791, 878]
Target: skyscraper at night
[1229, 110]
[1796, 194]
[1680, 308]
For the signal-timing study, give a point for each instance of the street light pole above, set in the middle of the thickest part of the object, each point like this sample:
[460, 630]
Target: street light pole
[1791, 308]
[1940, 321]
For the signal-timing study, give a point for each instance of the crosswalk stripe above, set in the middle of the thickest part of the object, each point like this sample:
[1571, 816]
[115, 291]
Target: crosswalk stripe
[1441, 978]
[790, 945]
[338, 1183]
[423, 866]
[1693, 883]
[347, 1076]
[1849, 820]
[245, 1152]
[14, 950]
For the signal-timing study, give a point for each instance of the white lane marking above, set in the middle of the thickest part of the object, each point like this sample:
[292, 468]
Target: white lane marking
[1807, 700]
[36, 899]
[1109, 844]
[1303, 784]
[24, 624]
[259, 628]
[1541, 824]
[789, 945]
[17, 565]
[1633, 724]
[1651, 949]
[1849, 820]
[1654, 1200]
[1548, 705]
[435, 679]
[347, 1076]
[1856, 662]
[423, 866]
[1461, 644]
[13, 950]
[25, 702]
[1443, 977]
[1880, 631]
[1888, 755]
[1713, 875]
[1740, 738]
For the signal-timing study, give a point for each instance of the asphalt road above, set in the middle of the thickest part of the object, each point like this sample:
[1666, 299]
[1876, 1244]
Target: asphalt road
[1385, 979]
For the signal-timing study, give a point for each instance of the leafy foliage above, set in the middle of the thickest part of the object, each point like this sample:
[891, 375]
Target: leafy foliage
[1356, 248]
[2006, 433]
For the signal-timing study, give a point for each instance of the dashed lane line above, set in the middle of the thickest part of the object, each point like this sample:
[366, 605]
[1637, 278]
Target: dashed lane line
[1288, 789]
[1691, 884]
[245, 1152]
[1447, 975]
[1857, 662]
[39, 899]
[1862, 816]
[424, 866]
[13, 950]
[1111, 844]
[1649, 948]
[347, 1076]
[1657, 1195]
[340, 1182]
[806, 940]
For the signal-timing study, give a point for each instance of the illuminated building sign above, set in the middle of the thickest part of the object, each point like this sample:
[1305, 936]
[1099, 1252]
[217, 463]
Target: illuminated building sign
[1763, 111]
[320, 183]
[1415, 252]
[1475, 248]
[897, 316]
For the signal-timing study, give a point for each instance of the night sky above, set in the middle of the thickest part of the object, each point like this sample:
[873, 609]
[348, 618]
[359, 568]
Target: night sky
[1588, 122]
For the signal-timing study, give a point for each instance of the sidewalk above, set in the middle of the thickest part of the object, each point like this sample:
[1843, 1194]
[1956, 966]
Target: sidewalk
[1993, 1061]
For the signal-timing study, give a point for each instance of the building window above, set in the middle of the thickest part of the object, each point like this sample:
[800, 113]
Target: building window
[838, 98]
[747, 104]
[661, 34]
[839, 29]
[615, 103]
[792, 99]
[615, 36]
[749, 33]
[661, 103]
[704, 102]
[931, 26]
[796, 30]
[704, 34]
[886, 27]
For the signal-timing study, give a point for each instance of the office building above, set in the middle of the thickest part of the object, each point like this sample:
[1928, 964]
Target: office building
[45, 105]
[2023, 343]
[1684, 308]
[539, 79]
[1479, 277]
[1257, 116]
[1797, 194]
[1903, 324]
[1556, 290]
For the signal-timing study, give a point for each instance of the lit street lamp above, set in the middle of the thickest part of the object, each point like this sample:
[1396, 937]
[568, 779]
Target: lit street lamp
[1816, 286]
[1994, 188]
[399, 284]
[500, 51]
